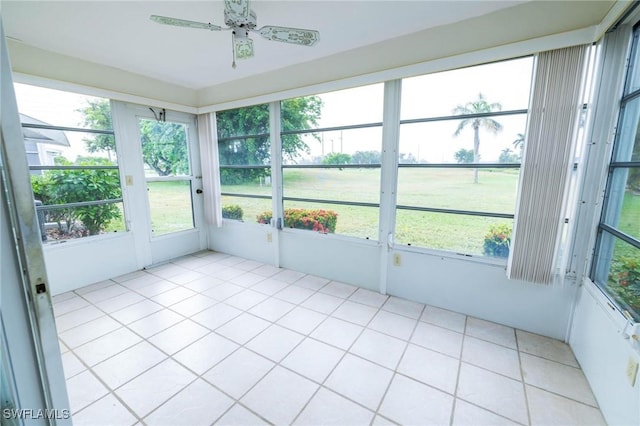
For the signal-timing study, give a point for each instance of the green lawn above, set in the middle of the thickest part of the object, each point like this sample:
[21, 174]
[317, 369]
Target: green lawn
[170, 205]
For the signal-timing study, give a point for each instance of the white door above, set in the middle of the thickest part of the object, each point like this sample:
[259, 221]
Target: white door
[163, 182]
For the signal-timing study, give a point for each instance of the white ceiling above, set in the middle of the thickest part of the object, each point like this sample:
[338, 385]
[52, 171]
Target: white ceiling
[119, 33]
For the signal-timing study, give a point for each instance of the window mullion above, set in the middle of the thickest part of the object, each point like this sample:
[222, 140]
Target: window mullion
[276, 173]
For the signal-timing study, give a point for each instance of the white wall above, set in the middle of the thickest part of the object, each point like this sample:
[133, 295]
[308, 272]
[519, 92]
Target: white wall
[603, 353]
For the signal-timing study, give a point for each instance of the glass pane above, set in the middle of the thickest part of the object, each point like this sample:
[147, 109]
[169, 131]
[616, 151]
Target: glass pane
[38, 105]
[244, 209]
[246, 121]
[633, 79]
[623, 203]
[354, 221]
[618, 272]
[353, 146]
[507, 83]
[77, 222]
[170, 205]
[452, 232]
[164, 148]
[246, 181]
[454, 189]
[627, 146]
[436, 142]
[362, 185]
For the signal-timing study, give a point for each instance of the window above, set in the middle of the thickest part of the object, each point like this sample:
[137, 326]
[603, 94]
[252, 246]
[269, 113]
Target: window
[244, 152]
[331, 156]
[461, 139]
[71, 152]
[616, 267]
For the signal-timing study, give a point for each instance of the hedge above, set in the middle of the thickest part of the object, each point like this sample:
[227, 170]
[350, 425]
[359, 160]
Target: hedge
[316, 220]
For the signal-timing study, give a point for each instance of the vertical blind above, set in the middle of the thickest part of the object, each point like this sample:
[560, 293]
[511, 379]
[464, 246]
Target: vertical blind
[208, 136]
[547, 163]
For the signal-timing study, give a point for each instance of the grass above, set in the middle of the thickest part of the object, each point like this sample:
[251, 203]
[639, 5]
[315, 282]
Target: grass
[170, 206]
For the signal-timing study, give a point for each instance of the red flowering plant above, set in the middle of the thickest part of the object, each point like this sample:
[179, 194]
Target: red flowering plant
[315, 220]
[497, 241]
[624, 280]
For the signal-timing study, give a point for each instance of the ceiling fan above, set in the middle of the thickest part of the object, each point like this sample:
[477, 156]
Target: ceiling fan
[241, 20]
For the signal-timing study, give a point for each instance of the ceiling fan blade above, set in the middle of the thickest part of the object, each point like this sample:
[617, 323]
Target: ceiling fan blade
[238, 8]
[184, 23]
[290, 35]
[243, 47]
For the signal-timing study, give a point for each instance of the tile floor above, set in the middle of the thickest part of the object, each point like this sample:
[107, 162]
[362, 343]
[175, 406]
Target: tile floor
[217, 339]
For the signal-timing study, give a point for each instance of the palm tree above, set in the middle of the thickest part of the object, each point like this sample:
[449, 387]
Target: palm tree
[519, 142]
[479, 106]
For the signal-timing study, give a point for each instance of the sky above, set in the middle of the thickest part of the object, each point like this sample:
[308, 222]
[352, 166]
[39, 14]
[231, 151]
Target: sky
[433, 95]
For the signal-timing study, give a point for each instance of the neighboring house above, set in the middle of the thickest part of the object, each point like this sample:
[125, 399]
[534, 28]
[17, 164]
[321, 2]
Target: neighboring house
[42, 145]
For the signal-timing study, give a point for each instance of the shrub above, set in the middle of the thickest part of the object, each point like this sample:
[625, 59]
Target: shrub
[316, 220]
[232, 211]
[625, 280]
[497, 241]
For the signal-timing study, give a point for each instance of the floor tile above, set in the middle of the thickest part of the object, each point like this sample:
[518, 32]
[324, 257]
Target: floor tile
[302, 320]
[313, 359]
[379, 348]
[107, 411]
[546, 347]
[444, 318]
[229, 273]
[127, 277]
[106, 346]
[403, 307]
[269, 286]
[294, 294]
[280, 396]
[272, 309]
[78, 317]
[70, 304]
[231, 261]
[558, 378]
[337, 332]
[216, 315]
[156, 288]
[275, 342]
[86, 332]
[223, 291]
[430, 367]
[329, 408]
[119, 302]
[368, 297]
[355, 312]
[155, 386]
[491, 332]
[83, 389]
[246, 299]
[360, 380]
[239, 372]
[438, 339]
[411, 402]
[491, 356]
[178, 336]
[128, 364]
[64, 296]
[378, 420]
[288, 276]
[211, 268]
[197, 404]
[173, 296]
[186, 277]
[312, 282]
[247, 279]
[203, 354]
[155, 323]
[105, 293]
[240, 416]
[243, 328]
[338, 289]
[71, 365]
[466, 414]
[493, 392]
[393, 324]
[142, 280]
[248, 265]
[549, 409]
[266, 270]
[167, 270]
[203, 284]
[95, 286]
[323, 303]
[193, 305]
[136, 311]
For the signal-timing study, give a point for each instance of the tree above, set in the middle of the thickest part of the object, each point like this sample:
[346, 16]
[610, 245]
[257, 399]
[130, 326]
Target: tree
[478, 106]
[336, 158]
[366, 157]
[508, 156]
[296, 114]
[519, 142]
[464, 156]
[97, 116]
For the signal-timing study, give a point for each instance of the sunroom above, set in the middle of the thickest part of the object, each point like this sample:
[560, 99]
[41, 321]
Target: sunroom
[428, 214]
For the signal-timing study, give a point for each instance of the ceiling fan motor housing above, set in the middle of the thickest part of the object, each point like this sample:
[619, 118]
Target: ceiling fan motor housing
[234, 20]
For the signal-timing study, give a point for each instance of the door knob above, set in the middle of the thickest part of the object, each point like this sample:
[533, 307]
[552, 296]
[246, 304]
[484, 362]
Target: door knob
[198, 191]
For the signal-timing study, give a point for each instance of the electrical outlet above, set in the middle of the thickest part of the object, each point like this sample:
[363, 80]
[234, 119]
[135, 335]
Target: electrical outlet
[269, 237]
[397, 259]
[632, 370]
